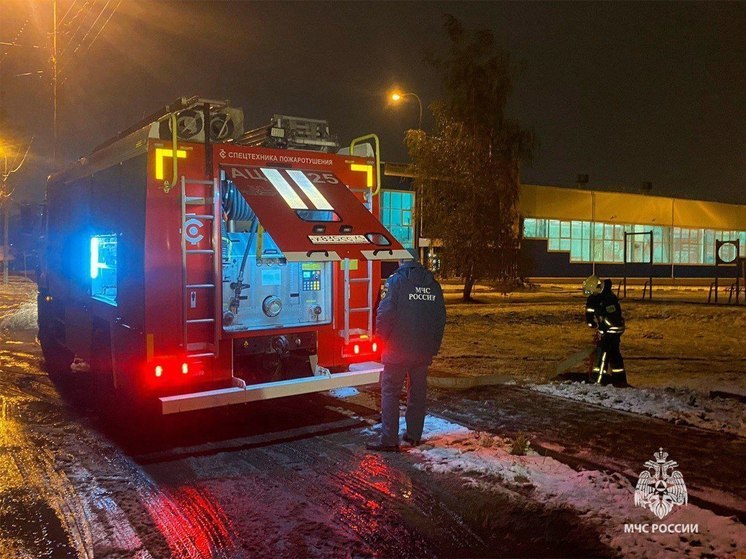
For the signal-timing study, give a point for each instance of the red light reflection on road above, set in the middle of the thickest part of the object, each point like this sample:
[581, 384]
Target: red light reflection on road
[378, 474]
[192, 523]
[364, 490]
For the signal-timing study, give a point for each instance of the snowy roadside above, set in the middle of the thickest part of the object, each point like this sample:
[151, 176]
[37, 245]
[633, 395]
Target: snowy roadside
[17, 306]
[681, 406]
[605, 501]
[20, 319]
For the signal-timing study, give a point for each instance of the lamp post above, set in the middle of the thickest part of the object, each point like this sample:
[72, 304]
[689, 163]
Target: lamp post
[397, 96]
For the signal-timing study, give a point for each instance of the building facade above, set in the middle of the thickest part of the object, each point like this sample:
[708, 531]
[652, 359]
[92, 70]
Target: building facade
[572, 232]
[568, 232]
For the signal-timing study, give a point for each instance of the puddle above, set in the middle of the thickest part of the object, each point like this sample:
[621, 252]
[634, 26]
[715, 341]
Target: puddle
[30, 528]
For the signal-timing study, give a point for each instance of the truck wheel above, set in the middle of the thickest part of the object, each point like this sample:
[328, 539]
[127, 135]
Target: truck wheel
[101, 363]
[57, 358]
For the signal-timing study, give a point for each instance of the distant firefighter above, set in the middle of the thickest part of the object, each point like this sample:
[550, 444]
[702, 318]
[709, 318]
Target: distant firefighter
[603, 311]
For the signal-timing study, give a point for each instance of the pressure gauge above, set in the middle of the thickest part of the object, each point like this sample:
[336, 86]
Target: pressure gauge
[272, 306]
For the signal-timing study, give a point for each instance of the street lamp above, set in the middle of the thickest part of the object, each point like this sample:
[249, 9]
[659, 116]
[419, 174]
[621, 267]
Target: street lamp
[397, 96]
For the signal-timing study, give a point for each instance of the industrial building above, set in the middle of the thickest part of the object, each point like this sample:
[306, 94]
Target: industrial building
[573, 232]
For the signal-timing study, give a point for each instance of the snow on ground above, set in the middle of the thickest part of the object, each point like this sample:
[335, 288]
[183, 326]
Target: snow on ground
[343, 393]
[605, 501]
[678, 405]
[434, 427]
[18, 306]
[23, 318]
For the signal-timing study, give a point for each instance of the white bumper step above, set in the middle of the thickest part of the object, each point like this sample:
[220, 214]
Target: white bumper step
[360, 374]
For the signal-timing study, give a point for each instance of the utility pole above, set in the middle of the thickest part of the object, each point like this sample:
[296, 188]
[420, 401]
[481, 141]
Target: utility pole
[54, 82]
[11, 161]
[6, 244]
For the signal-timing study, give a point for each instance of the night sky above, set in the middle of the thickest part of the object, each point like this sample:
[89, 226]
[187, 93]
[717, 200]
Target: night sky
[624, 92]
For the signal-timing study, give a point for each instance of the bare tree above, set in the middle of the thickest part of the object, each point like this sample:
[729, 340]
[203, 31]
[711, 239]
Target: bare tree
[468, 169]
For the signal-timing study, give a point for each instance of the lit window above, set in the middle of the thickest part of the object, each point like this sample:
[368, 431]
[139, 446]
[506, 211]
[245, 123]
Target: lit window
[576, 253]
[709, 246]
[554, 229]
[396, 215]
[529, 228]
[608, 254]
[396, 200]
[598, 250]
[104, 268]
[619, 232]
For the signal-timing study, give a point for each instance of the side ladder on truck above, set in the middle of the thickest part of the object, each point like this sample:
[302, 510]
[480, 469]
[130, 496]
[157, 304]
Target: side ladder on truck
[350, 283]
[200, 239]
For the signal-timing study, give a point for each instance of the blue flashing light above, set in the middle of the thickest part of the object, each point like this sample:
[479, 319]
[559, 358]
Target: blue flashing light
[95, 264]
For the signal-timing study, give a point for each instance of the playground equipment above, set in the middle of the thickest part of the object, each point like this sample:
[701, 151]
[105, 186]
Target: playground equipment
[647, 290]
[727, 256]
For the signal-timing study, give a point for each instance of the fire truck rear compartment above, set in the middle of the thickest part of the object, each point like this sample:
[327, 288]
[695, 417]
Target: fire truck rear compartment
[275, 357]
[262, 291]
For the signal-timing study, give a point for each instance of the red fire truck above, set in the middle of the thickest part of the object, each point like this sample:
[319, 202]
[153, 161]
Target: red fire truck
[195, 266]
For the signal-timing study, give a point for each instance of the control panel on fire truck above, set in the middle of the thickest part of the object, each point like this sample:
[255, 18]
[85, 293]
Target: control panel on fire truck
[311, 280]
[273, 293]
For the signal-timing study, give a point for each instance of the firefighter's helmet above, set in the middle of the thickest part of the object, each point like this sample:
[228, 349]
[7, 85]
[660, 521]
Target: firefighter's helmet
[593, 285]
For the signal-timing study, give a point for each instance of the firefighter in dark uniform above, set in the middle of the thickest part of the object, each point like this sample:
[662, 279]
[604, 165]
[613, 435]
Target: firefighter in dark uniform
[603, 311]
[410, 322]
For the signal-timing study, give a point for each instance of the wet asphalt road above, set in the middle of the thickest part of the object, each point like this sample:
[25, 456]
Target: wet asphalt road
[285, 478]
[600, 438]
[290, 478]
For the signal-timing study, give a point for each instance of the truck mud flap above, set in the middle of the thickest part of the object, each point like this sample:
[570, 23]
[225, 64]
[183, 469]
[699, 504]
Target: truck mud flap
[359, 374]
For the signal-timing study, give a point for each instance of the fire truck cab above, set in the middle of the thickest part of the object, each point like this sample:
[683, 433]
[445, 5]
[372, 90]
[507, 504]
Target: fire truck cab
[198, 267]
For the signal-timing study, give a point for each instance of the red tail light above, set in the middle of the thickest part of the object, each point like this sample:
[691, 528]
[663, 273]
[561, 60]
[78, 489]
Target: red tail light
[158, 371]
[360, 349]
[185, 368]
